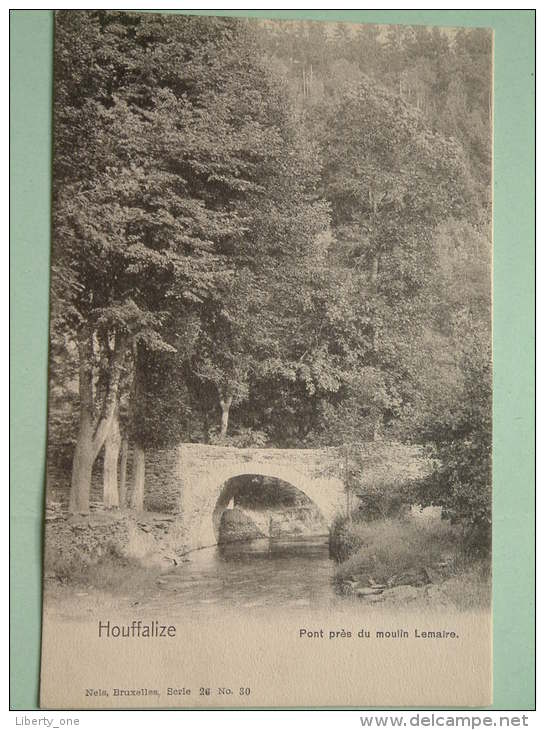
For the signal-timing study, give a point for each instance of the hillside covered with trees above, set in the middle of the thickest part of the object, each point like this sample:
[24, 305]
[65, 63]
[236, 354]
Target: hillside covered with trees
[270, 234]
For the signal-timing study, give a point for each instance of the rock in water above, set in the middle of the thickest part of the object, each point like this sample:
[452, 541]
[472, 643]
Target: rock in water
[236, 525]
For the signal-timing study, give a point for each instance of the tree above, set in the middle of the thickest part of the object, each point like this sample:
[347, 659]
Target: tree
[179, 168]
[244, 329]
[390, 180]
[138, 230]
[316, 327]
[228, 346]
[253, 245]
[459, 438]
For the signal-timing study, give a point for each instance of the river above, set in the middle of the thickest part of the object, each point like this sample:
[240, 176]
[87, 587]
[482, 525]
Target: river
[277, 573]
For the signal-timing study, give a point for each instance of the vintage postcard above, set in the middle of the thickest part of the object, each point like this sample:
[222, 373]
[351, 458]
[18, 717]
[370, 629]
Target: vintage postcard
[269, 441]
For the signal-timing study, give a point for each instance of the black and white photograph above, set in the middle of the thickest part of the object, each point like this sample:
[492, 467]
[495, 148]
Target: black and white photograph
[270, 369]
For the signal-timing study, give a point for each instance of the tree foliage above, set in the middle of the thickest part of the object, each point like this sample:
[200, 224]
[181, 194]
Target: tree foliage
[272, 234]
[459, 434]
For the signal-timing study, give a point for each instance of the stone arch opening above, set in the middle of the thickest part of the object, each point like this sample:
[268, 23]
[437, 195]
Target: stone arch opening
[253, 505]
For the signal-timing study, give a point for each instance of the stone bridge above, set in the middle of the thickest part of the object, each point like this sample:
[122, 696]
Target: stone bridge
[190, 481]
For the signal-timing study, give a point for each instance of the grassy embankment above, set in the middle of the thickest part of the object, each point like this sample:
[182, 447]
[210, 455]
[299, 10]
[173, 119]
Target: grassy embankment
[98, 551]
[112, 572]
[409, 559]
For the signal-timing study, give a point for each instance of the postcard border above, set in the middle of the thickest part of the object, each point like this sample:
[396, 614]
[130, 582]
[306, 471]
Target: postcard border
[31, 41]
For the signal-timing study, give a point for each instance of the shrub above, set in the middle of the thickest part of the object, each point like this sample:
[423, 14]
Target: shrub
[378, 503]
[343, 540]
[459, 440]
[391, 547]
[456, 428]
[244, 438]
[113, 571]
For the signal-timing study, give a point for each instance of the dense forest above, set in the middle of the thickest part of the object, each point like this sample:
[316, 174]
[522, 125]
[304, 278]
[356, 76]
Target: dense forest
[270, 234]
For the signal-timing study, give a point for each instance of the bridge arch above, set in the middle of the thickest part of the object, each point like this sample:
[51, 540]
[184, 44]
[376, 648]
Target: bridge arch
[246, 487]
[185, 481]
[204, 471]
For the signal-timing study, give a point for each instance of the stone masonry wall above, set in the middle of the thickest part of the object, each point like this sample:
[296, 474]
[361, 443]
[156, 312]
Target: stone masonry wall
[163, 481]
[206, 469]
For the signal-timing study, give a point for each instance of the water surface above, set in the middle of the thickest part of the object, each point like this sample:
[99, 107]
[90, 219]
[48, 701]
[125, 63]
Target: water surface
[277, 573]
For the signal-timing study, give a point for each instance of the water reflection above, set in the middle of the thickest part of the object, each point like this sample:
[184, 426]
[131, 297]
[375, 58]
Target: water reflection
[258, 573]
[300, 548]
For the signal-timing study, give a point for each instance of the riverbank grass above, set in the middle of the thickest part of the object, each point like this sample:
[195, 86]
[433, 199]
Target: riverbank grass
[112, 572]
[414, 552]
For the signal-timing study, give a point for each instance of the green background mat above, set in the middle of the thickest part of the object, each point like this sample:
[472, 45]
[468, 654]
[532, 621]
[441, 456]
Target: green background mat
[514, 291]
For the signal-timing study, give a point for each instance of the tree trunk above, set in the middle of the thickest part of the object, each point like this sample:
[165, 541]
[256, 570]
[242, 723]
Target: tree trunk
[84, 454]
[139, 466]
[123, 472]
[377, 428]
[93, 431]
[112, 445]
[82, 468]
[225, 405]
